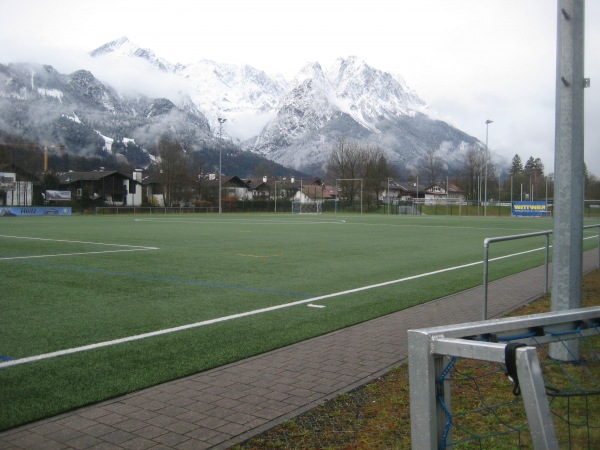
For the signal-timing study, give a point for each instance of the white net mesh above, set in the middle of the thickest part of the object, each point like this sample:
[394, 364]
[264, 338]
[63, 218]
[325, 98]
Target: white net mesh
[306, 208]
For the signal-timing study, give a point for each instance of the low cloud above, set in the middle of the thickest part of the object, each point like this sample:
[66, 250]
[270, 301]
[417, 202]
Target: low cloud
[129, 76]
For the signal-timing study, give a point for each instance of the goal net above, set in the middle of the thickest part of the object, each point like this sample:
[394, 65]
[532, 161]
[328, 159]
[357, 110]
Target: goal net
[306, 208]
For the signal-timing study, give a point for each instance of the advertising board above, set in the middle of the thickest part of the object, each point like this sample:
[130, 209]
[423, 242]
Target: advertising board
[13, 211]
[530, 209]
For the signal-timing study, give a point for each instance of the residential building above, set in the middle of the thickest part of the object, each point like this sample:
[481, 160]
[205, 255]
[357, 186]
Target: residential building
[102, 188]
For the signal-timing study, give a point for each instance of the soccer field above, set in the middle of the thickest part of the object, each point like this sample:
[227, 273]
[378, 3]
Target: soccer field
[98, 306]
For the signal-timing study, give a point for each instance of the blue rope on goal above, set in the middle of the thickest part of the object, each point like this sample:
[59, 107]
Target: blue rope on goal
[440, 399]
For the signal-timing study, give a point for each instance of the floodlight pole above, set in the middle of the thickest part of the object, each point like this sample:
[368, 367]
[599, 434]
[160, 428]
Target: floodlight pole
[567, 267]
[221, 122]
[487, 123]
[388, 194]
[417, 199]
[275, 195]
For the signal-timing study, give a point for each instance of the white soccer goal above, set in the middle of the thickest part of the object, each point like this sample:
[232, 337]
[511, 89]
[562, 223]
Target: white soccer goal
[558, 399]
[307, 207]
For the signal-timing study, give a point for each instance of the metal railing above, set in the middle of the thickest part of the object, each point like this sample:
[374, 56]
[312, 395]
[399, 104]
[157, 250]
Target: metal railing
[488, 241]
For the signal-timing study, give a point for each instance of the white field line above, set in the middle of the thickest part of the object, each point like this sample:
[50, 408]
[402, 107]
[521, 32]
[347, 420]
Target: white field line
[78, 253]
[125, 248]
[244, 221]
[204, 323]
[420, 225]
[337, 222]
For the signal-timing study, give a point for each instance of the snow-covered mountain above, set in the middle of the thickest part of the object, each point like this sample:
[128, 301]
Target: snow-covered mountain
[123, 48]
[39, 104]
[295, 123]
[354, 101]
[244, 95]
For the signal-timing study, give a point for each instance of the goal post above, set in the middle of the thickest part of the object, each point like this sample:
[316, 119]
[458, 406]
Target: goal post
[307, 207]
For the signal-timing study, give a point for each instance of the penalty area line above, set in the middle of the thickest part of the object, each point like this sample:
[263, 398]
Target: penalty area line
[11, 258]
[30, 359]
[141, 247]
[122, 248]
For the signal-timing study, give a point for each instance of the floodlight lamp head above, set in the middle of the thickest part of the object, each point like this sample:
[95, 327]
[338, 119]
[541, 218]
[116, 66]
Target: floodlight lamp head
[221, 120]
[487, 122]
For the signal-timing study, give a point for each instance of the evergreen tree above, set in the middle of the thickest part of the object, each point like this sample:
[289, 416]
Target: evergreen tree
[534, 177]
[534, 168]
[529, 165]
[516, 167]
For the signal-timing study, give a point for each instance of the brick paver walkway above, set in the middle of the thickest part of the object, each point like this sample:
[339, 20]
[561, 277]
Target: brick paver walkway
[227, 405]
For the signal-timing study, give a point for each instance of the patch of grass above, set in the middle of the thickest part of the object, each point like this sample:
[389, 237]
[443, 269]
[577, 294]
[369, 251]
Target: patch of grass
[377, 414]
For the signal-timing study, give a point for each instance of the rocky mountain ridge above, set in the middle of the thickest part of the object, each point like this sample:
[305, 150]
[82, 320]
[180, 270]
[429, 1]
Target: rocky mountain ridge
[294, 123]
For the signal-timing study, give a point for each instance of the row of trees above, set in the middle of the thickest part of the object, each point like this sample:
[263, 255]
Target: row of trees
[350, 161]
[520, 182]
[529, 180]
[356, 165]
[517, 183]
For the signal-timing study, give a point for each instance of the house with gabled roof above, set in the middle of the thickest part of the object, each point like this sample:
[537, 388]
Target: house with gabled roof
[102, 187]
[231, 186]
[455, 192]
[442, 192]
[410, 190]
[315, 190]
[258, 188]
[401, 190]
[320, 193]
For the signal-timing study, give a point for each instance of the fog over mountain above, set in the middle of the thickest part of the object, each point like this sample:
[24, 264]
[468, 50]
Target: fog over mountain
[130, 93]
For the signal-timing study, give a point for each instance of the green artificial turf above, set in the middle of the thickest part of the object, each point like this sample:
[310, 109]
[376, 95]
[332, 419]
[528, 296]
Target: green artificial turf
[83, 280]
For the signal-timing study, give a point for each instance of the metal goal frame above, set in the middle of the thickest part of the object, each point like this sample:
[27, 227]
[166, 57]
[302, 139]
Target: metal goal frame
[431, 348]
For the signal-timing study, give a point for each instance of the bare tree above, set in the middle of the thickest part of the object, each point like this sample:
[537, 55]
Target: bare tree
[347, 161]
[432, 166]
[473, 171]
[351, 161]
[174, 174]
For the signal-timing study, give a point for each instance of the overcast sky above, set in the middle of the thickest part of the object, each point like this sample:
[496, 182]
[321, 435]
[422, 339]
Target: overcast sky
[471, 60]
